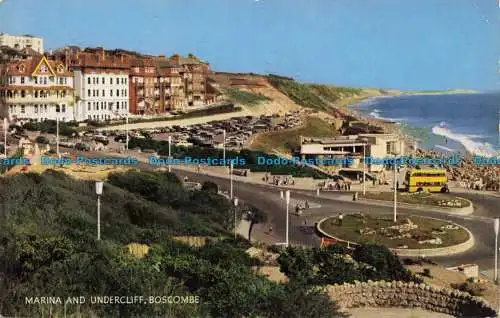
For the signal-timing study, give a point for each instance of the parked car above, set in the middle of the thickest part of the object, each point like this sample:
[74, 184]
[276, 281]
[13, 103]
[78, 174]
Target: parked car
[102, 139]
[82, 146]
[42, 140]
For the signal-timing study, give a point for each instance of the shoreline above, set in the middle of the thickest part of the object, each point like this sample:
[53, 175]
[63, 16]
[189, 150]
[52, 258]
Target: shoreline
[468, 174]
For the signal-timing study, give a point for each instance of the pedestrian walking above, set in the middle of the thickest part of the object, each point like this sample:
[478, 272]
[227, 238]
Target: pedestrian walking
[270, 229]
[349, 186]
[307, 204]
[186, 179]
[341, 218]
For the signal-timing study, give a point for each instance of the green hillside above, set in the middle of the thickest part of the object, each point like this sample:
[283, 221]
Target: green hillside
[49, 248]
[317, 96]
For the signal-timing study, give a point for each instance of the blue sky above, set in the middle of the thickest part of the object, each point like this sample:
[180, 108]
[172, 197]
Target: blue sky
[409, 45]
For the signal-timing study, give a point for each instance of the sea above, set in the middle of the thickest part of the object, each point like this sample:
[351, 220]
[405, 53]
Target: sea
[447, 123]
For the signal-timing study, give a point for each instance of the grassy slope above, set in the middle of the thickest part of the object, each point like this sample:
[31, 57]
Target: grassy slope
[246, 98]
[288, 140]
[322, 97]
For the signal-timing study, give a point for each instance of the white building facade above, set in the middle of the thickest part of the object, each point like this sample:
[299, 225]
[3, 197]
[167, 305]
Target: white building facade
[376, 146]
[20, 42]
[101, 94]
[36, 89]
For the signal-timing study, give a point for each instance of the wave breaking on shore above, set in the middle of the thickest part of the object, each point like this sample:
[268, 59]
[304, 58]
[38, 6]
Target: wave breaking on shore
[474, 147]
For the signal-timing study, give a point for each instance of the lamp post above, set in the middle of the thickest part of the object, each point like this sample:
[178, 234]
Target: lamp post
[98, 191]
[395, 192]
[287, 195]
[496, 227]
[126, 131]
[224, 146]
[5, 123]
[169, 153]
[364, 169]
[235, 206]
[57, 132]
[231, 178]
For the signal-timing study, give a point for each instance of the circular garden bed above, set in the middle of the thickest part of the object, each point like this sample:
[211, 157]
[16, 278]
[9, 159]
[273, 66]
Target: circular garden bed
[409, 232]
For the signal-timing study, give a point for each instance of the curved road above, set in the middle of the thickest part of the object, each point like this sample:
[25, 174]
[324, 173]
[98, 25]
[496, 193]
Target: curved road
[267, 198]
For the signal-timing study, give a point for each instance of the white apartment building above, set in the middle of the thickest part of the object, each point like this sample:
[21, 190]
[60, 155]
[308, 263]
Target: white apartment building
[22, 41]
[36, 89]
[101, 94]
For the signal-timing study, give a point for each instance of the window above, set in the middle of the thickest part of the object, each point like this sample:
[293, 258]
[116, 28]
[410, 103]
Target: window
[23, 109]
[58, 108]
[63, 108]
[22, 79]
[103, 106]
[88, 93]
[97, 92]
[103, 80]
[88, 106]
[88, 80]
[111, 92]
[45, 107]
[23, 93]
[103, 93]
[109, 106]
[36, 109]
[125, 80]
[45, 81]
[93, 93]
[111, 81]
[36, 79]
[117, 92]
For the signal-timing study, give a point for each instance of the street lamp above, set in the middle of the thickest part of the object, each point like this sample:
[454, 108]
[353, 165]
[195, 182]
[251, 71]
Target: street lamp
[231, 178]
[224, 146]
[395, 191]
[395, 181]
[364, 169]
[235, 206]
[169, 153]
[495, 227]
[5, 123]
[287, 195]
[126, 131]
[98, 191]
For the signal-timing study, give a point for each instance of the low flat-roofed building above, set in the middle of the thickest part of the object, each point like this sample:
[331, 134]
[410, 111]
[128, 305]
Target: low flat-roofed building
[377, 146]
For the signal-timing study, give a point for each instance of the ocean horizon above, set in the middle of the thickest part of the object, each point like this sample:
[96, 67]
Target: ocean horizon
[447, 123]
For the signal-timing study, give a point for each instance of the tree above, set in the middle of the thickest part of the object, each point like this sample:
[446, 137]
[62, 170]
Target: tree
[255, 216]
[387, 265]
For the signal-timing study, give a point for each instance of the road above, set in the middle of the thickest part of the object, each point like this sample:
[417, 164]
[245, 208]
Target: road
[267, 198]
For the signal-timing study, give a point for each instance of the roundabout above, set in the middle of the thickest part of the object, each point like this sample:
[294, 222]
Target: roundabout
[410, 236]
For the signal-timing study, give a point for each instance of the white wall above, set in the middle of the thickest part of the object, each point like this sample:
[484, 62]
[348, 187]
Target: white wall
[101, 96]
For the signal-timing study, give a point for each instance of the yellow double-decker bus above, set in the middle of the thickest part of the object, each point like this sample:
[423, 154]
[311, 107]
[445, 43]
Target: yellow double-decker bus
[426, 180]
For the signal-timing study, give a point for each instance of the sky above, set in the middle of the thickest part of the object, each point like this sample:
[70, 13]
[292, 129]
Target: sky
[407, 45]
